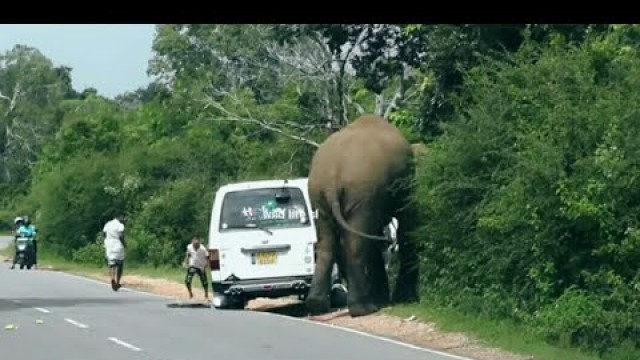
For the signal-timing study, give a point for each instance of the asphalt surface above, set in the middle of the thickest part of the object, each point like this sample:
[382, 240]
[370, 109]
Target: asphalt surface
[58, 316]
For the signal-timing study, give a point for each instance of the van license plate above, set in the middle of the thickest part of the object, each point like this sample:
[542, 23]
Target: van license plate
[266, 258]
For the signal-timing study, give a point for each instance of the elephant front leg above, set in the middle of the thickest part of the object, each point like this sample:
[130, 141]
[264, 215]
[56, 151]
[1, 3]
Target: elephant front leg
[318, 301]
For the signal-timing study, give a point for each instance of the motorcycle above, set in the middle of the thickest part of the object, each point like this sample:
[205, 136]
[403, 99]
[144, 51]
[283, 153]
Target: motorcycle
[24, 252]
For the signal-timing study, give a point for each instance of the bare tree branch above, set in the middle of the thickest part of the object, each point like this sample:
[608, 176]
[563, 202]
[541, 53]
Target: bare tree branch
[358, 107]
[268, 127]
[264, 124]
[379, 105]
[401, 94]
[364, 35]
[14, 99]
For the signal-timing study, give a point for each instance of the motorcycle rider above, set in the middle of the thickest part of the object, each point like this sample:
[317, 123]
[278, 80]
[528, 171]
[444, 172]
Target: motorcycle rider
[26, 229]
[31, 231]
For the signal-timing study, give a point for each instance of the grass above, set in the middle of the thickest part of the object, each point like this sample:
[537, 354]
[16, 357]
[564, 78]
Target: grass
[503, 334]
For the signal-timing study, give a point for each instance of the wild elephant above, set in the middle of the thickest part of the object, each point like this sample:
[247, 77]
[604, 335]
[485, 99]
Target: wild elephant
[361, 177]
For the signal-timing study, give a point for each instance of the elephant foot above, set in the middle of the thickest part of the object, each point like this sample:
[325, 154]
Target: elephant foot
[317, 306]
[356, 310]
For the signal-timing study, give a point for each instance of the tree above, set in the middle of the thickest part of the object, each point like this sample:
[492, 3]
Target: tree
[240, 64]
[30, 89]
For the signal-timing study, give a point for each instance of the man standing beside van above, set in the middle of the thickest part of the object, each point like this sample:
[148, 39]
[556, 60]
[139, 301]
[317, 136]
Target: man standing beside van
[114, 246]
[196, 261]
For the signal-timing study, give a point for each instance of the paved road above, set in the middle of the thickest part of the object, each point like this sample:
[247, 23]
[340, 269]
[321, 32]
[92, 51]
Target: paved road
[84, 319]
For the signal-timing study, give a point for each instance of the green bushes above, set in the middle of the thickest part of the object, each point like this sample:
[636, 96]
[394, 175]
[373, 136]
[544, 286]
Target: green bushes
[73, 202]
[580, 319]
[93, 253]
[531, 192]
[171, 218]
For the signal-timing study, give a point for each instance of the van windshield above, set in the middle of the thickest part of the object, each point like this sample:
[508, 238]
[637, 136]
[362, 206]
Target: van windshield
[262, 208]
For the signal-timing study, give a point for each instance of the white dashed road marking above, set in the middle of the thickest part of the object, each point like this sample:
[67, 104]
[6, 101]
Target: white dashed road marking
[42, 310]
[122, 343]
[17, 301]
[73, 322]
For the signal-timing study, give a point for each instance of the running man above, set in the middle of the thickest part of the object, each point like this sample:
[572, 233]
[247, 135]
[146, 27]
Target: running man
[114, 246]
[196, 261]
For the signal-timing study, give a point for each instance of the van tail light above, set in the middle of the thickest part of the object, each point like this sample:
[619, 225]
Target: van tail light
[214, 259]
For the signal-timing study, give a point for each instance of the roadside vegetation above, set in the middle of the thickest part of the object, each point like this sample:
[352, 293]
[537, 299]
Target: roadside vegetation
[529, 209]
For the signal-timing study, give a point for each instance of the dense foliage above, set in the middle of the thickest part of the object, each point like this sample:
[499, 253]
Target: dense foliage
[527, 187]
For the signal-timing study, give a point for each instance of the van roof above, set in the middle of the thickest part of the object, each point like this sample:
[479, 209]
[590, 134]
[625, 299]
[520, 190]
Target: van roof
[301, 182]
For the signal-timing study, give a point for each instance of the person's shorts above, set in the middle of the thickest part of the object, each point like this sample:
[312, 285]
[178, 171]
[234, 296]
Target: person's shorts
[114, 262]
[192, 270]
[115, 256]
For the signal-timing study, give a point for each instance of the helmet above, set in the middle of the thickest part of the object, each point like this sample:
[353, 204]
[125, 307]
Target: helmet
[18, 220]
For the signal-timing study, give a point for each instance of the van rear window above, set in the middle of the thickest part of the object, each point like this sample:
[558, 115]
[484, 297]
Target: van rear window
[256, 208]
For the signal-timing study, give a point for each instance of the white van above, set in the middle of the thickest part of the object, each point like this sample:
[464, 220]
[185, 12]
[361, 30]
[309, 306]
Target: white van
[261, 241]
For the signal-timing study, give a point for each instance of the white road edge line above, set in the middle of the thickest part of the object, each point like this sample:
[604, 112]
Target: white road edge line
[122, 343]
[381, 338]
[377, 337]
[42, 310]
[73, 322]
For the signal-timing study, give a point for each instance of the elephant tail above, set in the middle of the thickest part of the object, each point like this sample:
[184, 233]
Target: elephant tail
[334, 203]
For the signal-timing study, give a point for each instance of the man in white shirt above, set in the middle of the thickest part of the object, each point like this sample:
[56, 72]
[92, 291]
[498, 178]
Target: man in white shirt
[196, 261]
[114, 246]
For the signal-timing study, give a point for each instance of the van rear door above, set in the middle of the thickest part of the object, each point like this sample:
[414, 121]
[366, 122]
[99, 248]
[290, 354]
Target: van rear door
[263, 235]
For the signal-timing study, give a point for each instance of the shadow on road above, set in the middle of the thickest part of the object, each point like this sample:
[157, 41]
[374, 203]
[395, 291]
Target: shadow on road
[11, 304]
[298, 310]
[293, 310]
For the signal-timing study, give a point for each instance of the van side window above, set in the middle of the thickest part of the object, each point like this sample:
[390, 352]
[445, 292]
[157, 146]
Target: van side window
[247, 209]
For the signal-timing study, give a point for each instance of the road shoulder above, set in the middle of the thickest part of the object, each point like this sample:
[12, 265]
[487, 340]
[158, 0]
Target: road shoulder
[408, 330]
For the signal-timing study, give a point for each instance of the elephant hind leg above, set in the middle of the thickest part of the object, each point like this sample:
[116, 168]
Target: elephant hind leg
[318, 301]
[360, 271]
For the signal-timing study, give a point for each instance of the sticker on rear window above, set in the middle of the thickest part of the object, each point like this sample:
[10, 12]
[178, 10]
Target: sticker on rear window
[274, 213]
